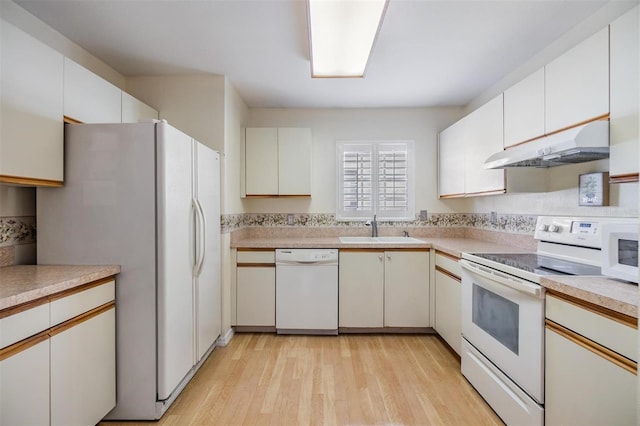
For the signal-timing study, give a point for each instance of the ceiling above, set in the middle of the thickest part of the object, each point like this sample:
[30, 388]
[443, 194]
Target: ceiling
[428, 52]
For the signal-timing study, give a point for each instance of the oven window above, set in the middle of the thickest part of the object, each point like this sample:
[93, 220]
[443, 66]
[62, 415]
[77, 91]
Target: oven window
[497, 316]
[628, 252]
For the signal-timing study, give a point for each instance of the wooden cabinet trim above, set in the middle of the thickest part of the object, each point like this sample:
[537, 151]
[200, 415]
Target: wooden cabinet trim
[81, 288]
[458, 195]
[23, 307]
[256, 265]
[445, 254]
[81, 318]
[449, 274]
[383, 249]
[626, 178]
[601, 117]
[23, 345]
[596, 309]
[499, 191]
[19, 180]
[594, 347]
[71, 120]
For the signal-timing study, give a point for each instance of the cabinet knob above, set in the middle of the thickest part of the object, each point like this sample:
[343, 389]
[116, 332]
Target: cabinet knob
[389, 256]
[380, 257]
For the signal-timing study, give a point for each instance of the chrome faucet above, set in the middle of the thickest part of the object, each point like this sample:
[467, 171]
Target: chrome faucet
[374, 226]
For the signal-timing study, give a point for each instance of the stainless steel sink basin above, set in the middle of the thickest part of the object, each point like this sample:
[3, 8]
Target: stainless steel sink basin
[380, 240]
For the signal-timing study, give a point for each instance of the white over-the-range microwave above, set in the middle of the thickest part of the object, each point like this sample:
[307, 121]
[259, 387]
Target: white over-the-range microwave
[620, 250]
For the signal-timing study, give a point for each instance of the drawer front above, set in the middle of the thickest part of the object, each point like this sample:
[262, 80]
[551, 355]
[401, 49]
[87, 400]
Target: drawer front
[611, 334]
[256, 257]
[75, 304]
[446, 262]
[21, 325]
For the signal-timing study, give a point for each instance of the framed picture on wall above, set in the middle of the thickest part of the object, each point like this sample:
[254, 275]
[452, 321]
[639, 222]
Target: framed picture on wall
[593, 189]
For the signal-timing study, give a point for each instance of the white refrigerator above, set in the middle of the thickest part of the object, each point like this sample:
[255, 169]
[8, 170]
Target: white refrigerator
[147, 197]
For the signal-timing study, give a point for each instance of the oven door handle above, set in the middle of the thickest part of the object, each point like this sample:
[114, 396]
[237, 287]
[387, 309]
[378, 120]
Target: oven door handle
[503, 279]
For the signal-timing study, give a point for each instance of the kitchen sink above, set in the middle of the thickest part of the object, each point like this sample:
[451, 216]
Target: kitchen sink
[380, 240]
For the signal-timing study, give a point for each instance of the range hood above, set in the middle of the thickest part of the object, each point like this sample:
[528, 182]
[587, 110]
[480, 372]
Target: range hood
[587, 142]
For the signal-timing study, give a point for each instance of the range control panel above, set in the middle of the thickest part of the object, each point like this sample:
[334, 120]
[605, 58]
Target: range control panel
[570, 230]
[576, 231]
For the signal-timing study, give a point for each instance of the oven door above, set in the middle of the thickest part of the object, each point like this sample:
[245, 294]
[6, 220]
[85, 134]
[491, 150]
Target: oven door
[503, 317]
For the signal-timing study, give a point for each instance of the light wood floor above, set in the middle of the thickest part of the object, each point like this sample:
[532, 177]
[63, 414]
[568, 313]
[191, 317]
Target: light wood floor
[267, 379]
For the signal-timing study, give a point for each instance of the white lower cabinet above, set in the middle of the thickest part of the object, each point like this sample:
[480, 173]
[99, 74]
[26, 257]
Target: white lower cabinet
[361, 289]
[383, 289]
[63, 373]
[588, 380]
[256, 296]
[256, 289]
[83, 369]
[406, 289]
[24, 384]
[448, 316]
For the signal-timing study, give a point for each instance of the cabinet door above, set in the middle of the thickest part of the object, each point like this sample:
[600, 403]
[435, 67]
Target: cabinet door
[256, 296]
[448, 314]
[294, 161]
[361, 292]
[24, 385]
[485, 138]
[524, 110]
[582, 387]
[83, 370]
[261, 161]
[451, 160]
[406, 289]
[88, 98]
[32, 112]
[577, 84]
[134, 110]
[623, 160]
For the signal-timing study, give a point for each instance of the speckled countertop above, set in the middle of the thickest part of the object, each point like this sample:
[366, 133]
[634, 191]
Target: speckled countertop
[619, 296]
[612, 294]
[24, 283]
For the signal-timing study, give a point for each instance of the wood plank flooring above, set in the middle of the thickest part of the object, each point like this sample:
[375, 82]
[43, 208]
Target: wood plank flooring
[268, 379]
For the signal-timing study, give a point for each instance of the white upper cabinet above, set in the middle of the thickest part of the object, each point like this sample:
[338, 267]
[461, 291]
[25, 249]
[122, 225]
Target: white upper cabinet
[451, 160]
[261, 161]
[485, 138]
[294, 161]
[524, 110]
[134, 110]
[577, 84]
[623, 161]
[88, 98]
[277, 161]
[32, 130]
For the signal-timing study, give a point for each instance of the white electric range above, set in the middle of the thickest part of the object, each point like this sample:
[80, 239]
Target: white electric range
[503, 312]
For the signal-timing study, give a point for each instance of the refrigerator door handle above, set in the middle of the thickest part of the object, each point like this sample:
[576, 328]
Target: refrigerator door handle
[201, 238]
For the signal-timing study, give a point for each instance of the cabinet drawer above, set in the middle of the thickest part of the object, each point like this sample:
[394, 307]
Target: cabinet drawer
[256, 257]
[75, 304]
[605, 331]
[25, 323]
[448, 263]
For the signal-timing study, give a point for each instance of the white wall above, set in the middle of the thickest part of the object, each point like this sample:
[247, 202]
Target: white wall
[236, 113]
[192, 103]
[330, 125]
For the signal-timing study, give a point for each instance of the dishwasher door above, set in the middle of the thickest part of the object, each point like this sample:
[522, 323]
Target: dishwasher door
[307, 291]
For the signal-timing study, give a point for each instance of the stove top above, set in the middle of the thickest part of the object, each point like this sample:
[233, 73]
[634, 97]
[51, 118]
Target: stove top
[539, 264]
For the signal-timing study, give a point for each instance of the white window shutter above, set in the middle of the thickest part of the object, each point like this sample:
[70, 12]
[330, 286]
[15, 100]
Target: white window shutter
[375, 178]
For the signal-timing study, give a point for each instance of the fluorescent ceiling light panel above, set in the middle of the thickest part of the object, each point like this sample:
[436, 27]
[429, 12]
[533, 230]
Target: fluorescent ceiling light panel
[341, 34]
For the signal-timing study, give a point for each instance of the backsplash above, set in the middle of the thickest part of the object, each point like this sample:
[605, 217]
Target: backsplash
[520, 224]
[15, 232]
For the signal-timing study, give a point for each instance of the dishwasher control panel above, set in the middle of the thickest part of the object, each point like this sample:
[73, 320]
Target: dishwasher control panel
[292, 256]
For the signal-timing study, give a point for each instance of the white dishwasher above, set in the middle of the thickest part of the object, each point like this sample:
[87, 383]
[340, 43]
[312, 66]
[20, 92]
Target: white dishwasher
[307, 291]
